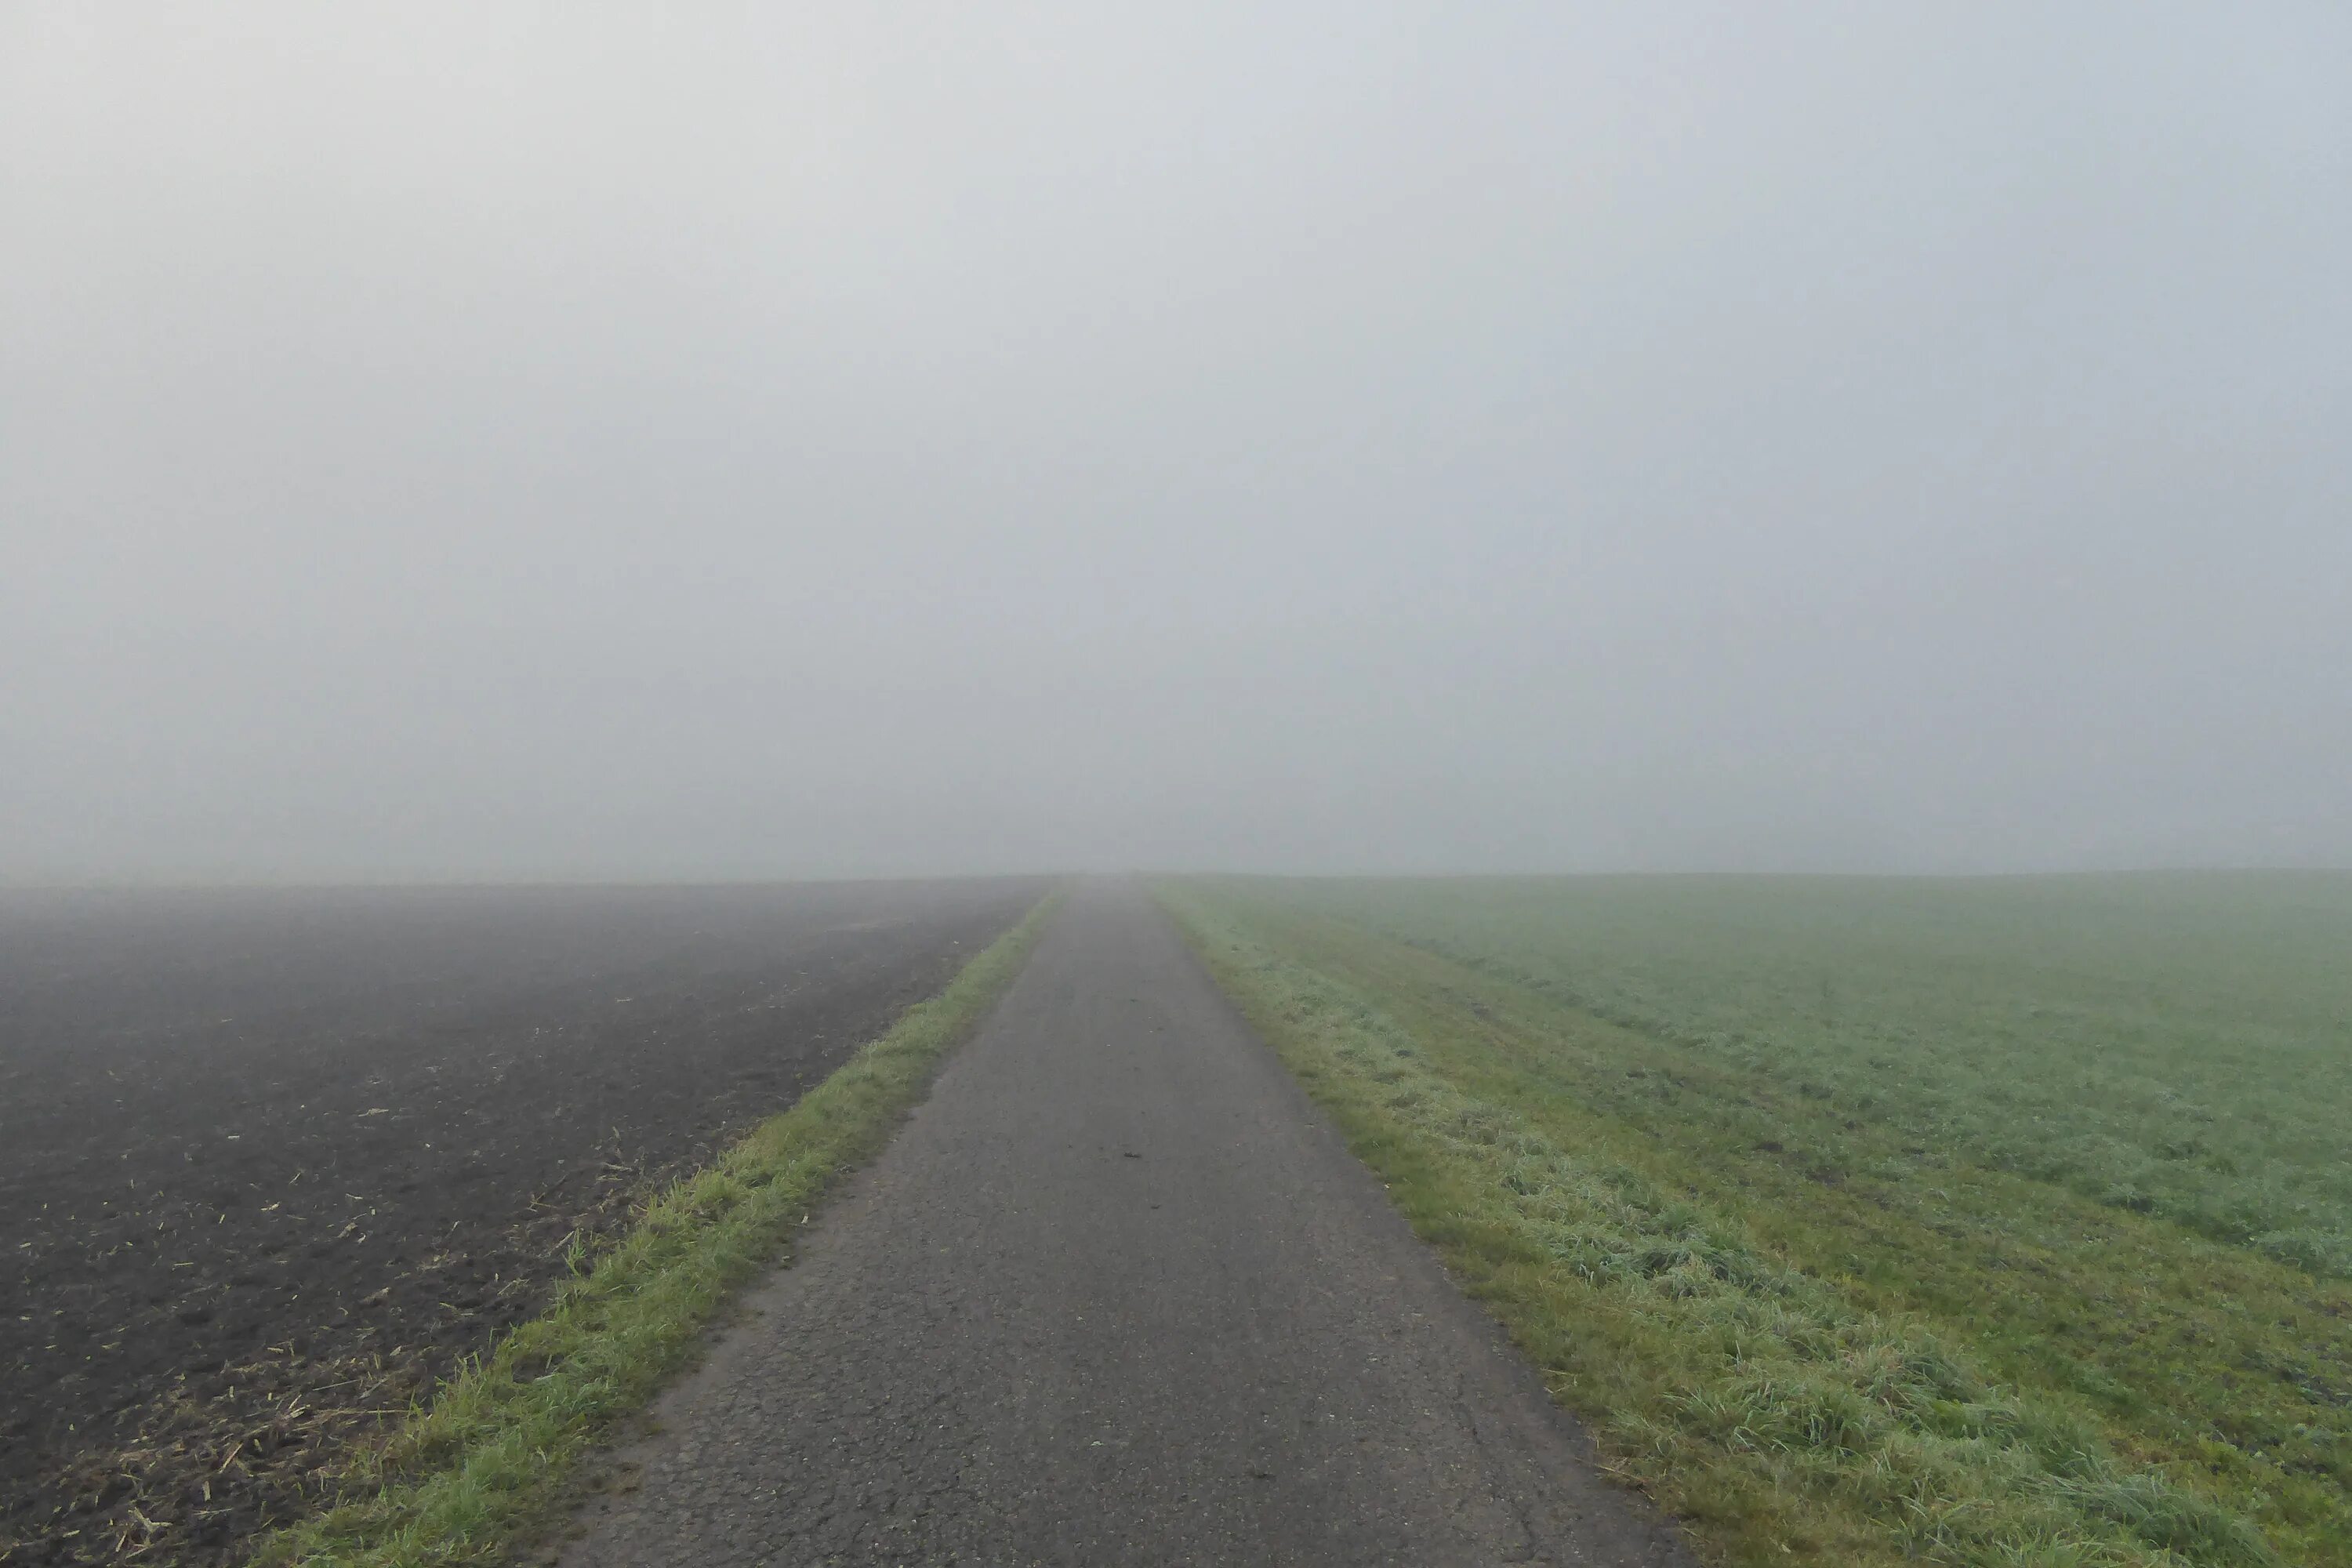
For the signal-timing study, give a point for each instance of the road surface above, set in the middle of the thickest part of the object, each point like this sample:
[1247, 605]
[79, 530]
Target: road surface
[1115, 1294]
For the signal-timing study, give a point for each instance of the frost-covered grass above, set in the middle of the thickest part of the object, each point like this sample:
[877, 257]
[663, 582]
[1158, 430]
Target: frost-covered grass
[2178, 1045]
[1750, 1169]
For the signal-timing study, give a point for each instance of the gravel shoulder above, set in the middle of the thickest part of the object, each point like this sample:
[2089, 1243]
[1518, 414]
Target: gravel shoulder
[1115, 1294]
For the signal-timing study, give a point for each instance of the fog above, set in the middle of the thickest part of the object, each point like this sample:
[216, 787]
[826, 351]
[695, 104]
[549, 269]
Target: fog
[732, 441]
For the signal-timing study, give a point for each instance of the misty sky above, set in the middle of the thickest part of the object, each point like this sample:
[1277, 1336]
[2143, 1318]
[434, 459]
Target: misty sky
[699, 440]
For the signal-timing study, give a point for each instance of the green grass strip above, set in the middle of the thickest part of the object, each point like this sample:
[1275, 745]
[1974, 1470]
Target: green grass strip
[462, 1480]
[1782, 1421]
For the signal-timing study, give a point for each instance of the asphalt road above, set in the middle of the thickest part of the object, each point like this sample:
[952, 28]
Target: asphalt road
[1114, 1295]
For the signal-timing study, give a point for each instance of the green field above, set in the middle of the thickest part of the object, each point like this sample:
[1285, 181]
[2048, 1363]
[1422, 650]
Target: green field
[1984, 1221]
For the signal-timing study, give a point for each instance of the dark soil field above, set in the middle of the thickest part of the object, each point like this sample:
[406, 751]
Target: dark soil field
[271, 1163]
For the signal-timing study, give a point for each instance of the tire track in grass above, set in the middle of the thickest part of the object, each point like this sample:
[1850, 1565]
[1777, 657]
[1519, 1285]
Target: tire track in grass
[1741, 1392]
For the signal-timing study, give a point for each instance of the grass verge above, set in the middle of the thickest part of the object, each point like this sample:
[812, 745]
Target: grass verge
[486, 1462]
[1765, 1398]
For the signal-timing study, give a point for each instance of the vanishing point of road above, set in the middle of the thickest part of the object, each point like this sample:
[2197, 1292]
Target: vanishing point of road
[1115, 1294]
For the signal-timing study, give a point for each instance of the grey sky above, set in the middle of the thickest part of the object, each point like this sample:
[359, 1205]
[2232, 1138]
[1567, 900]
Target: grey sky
[492, 441]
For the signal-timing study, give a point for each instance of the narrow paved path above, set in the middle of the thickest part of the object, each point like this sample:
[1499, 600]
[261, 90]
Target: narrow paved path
[1114, 1295]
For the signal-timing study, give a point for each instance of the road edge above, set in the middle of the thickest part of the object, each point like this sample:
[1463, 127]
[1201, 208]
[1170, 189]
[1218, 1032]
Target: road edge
[1472, 1181]
[466, 1475]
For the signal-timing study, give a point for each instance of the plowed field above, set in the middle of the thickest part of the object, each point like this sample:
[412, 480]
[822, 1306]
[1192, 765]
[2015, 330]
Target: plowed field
[270, 1163]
